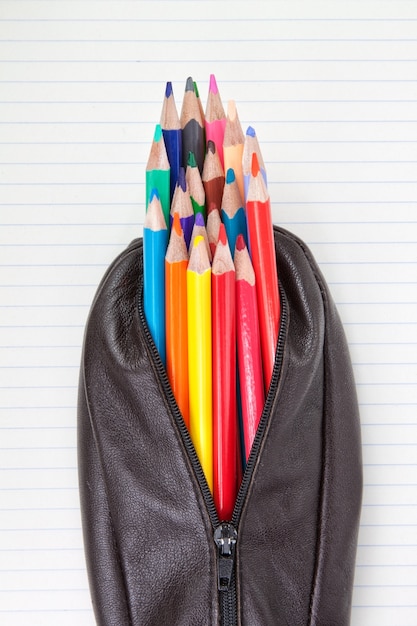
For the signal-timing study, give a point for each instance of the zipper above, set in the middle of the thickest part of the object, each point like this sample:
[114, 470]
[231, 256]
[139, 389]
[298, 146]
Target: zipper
[225, 533]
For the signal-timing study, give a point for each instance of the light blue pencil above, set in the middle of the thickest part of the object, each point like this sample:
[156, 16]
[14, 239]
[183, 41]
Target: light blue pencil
[232, 213]
[155, 241]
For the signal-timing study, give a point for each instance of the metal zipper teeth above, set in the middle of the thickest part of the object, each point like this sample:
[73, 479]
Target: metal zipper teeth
[247, 476]
[208, 498]
[271, 397]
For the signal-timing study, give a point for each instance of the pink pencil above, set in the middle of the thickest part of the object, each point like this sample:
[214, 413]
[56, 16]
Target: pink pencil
[215, 118]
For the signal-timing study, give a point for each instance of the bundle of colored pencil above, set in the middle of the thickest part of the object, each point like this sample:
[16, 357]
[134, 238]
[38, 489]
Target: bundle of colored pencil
[210, 292]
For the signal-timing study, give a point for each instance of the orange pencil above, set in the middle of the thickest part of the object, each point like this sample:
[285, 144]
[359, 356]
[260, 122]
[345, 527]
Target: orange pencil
[176, 262]
[233, 144]
[262, 250]
[224, 379]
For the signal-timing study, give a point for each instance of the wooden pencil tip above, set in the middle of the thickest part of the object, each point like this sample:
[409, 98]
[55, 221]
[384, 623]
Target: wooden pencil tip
[222, 234]
[230, 175]
[231, 110]
[255, 169]
[158, 133]
[240, 242]
[199, 219]
[168, 89]
[251, 131]
[213, 84]
[198, 240]
[176, 224]
[211, 146]
[189, 85]
[182, 182]
[191, 159]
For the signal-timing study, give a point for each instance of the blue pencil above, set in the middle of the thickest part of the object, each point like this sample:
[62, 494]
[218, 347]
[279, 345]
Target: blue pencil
[155, 241]
[171, 130]
[233, 214]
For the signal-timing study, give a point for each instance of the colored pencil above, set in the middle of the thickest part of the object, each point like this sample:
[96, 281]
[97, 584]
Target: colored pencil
[233, 144]
[213, 226]
[195, 186]
[181, 203]
[200, 229]
[213, 178]
[200, 356]
[232, 212]
[155, 240]
[224, 379]
[250, 146]
[158, 172]
[248, 345]
[215, 118]
[171, 130]
[176, 262]
[262, 251]
[192, 125]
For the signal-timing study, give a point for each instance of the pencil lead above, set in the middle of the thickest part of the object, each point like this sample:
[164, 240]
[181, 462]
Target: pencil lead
[255, 169]
[213, 85]
[189, 85]
[158, 133]
[240, 242]
[176, 224]
[154, 194]
[199, 219]
[250, 131]
[168, 89]
[222, 235]
[196, 89]
[231, 110]
[230, 175]
[211, 146]
[182, 182]
[191, 159]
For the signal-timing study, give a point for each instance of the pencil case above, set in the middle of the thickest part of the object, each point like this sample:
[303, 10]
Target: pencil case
[157, 554]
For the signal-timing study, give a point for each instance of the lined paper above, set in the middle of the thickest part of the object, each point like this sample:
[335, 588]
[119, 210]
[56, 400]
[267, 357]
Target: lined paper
[331, 89]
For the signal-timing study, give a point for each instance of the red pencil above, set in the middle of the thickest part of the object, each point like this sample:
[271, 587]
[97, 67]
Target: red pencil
[262, 250]
[248, 345]
[224, 378]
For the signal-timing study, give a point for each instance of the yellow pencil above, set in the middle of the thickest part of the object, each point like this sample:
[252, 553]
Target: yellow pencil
[199, 355]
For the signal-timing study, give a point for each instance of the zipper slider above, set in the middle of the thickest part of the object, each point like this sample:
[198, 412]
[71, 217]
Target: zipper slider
[225, 537]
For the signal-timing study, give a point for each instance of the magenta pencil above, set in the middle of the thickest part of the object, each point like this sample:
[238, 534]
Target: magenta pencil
[215, 118]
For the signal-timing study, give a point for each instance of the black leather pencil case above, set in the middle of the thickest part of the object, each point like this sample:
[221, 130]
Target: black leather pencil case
[156, 552]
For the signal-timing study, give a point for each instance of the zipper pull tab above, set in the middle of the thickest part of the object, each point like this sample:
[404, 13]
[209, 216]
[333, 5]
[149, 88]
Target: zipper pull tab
[225, 537]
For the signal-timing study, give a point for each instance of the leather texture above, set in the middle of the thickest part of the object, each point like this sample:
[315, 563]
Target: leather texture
[148, 535]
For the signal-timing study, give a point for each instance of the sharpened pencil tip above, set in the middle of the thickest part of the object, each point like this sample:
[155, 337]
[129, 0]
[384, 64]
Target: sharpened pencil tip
[168, 89]
[255, 169]
[251, 131]
[222, 234]
[154, 194]
[191, 159]
[199, 219]
[182, 182]
[189, 85]
[213, 84]
[158, 133]
[211, 146]
[240, 242]
[198, 240]
[230, 175]
[231, 110]
[176, 224]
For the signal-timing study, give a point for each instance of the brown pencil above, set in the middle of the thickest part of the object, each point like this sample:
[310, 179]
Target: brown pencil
[213, 178]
